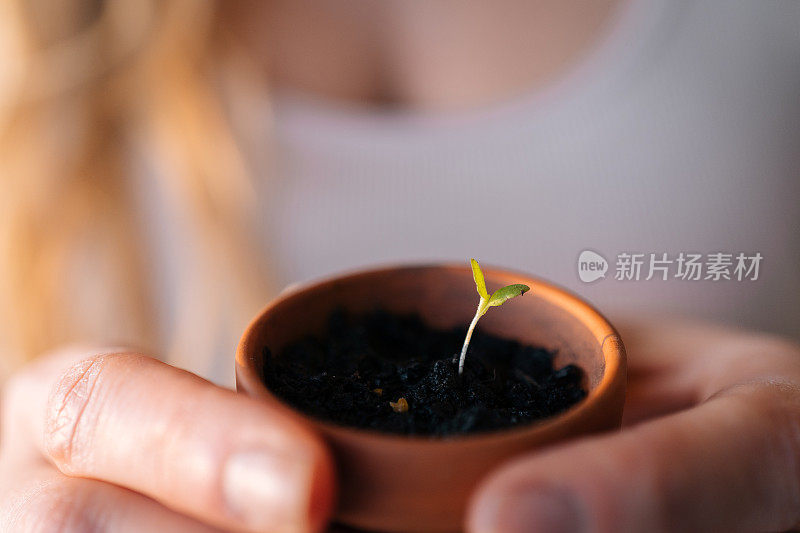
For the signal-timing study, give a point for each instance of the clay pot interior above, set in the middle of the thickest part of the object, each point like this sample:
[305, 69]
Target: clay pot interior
[412, 483]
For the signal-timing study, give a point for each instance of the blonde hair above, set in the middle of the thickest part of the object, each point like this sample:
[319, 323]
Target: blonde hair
[88, 91]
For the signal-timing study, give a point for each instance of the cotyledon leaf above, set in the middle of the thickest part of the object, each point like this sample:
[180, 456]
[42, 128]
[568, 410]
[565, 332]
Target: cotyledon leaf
[480, 282]
[500, 296]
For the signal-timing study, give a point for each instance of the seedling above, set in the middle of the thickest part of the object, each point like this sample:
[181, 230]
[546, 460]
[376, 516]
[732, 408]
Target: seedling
[497, 298]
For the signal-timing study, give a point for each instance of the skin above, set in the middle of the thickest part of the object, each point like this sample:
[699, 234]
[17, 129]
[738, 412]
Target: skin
[711, 436]
[711, 442]
[442, 55]
[75, 421]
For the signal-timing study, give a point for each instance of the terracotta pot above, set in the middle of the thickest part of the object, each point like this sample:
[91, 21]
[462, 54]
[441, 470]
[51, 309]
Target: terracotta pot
[401, 483]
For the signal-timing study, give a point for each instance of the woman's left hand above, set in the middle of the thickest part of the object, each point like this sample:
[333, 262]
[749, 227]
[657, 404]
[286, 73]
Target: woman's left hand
[710, 442]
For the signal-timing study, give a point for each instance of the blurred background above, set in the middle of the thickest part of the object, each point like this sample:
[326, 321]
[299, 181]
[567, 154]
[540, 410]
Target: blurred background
[166, 167]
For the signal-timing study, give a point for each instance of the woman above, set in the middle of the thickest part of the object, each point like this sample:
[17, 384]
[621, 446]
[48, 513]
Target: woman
[157, 190]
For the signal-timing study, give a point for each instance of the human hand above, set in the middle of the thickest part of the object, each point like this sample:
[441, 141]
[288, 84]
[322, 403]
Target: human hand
[116, 441]
[710, 442]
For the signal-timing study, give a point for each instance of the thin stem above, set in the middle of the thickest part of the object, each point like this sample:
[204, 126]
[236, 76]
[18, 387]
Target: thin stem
[478, 314]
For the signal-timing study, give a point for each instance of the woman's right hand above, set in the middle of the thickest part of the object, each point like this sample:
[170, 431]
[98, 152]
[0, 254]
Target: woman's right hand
[111, 440]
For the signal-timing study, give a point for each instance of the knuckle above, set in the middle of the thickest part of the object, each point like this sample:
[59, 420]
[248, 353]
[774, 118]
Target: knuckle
[789, 354]
[777, 345]
[73, 406]
[750, 361]
[744, 346]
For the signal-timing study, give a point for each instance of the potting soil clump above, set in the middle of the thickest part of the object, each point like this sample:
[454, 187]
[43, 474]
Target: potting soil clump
[395, 374]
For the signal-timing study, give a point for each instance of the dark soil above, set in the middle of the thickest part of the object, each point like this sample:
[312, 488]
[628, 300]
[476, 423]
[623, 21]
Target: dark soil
[363, 363]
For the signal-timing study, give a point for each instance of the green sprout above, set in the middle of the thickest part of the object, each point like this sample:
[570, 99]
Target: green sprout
[497, 298]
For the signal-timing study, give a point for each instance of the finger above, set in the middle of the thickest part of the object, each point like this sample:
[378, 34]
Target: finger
[673, 364]
[221, 457]
[730, 464]
[25, 395]
[44, 499]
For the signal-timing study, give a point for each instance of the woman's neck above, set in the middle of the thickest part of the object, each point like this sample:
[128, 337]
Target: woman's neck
[434, 55]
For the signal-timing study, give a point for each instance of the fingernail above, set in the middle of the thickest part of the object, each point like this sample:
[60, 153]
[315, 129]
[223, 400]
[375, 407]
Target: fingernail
[268, 490]
[540, 510]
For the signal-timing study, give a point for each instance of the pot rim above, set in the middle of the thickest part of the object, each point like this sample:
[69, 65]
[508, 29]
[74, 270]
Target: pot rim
[613, 354]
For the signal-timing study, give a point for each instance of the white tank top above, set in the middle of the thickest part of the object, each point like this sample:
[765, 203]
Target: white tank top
[680, 132]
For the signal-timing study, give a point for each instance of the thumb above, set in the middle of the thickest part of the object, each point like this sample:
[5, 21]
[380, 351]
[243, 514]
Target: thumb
[730, 464]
